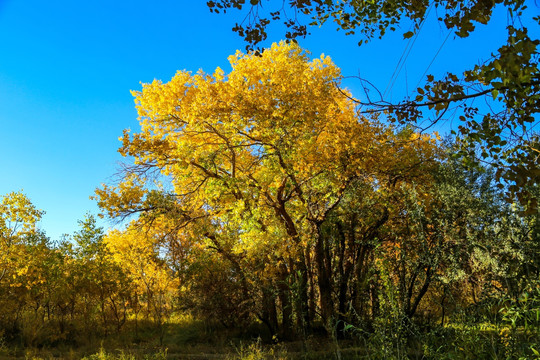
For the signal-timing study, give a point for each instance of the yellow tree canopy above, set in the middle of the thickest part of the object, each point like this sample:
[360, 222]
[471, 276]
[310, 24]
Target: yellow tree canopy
[18, 220]
[267, 149]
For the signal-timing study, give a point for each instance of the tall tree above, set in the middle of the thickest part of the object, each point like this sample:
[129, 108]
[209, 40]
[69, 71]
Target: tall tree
[254, 161]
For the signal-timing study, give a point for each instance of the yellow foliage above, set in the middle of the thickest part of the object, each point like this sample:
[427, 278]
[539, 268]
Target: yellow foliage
[18, 220]
[251, 159]
[137, 253]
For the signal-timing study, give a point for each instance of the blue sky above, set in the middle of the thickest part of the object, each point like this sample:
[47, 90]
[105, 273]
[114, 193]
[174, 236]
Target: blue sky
[67, 68]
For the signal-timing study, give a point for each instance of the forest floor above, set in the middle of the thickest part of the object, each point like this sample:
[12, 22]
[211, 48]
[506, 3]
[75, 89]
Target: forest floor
[179, 340]
[199, 340]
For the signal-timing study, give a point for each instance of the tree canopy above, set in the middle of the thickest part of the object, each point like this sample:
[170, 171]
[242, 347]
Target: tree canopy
[251, 164]
[502, 133]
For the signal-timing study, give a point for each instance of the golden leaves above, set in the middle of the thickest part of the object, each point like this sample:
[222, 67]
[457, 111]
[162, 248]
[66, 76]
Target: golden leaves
[17, 215]
[136, 252]
[256, 156]
[126, 196]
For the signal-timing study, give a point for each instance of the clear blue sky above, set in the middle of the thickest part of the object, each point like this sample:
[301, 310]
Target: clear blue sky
[66, 69]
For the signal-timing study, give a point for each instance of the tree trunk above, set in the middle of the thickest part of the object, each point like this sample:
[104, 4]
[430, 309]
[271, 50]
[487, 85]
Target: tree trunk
[284, 299]
[269, 312]
[324, 280]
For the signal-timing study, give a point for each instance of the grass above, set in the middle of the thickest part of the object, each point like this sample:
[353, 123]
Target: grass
[187, 338]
